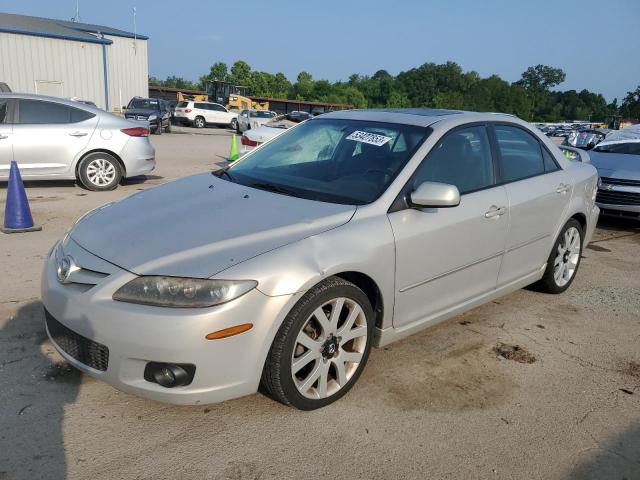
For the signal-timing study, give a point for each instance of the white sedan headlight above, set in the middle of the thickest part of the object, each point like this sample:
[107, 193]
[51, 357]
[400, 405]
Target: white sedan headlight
[182, 292]
[152, 117]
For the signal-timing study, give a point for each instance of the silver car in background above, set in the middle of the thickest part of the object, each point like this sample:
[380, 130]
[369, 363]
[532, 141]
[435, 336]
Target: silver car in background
[353, 229]
[248, 119]
[55, 139]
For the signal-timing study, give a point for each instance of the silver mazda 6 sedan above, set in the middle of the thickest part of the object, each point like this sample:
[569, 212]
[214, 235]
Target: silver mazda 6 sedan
[350, 230]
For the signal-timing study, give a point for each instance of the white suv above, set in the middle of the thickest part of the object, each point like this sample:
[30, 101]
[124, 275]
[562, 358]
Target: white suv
[199, 114]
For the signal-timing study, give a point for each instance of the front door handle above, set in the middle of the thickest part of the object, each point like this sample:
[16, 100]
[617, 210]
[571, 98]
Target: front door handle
[2, 137]
[562, 188]
[495, 212]
[78, 134]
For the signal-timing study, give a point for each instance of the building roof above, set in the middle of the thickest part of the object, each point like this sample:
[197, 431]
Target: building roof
[63, 29]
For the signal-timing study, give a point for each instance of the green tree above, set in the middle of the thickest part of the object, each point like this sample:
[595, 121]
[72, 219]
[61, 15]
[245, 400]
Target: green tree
[631, 104]
[303, 87]
[240, 73]
[541, 77]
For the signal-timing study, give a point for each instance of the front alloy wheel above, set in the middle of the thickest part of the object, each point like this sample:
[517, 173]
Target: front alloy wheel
[321, 347]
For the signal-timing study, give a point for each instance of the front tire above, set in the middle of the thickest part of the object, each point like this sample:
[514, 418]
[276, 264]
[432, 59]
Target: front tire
[99, 171]
[564, 259]
[321, 347]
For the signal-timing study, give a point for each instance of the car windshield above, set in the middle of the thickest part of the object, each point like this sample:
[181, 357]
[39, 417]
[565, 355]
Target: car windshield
[331, 160]
[144, 103]
[629, 148]
[261, 114]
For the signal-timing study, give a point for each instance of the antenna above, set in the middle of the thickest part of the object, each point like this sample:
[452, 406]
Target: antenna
[76, 17]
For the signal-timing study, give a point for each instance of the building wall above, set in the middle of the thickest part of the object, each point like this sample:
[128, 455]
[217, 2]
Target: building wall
[128, 70]
[42, 65]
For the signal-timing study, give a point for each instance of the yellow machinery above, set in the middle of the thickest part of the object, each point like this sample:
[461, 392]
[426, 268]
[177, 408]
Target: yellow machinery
[185, 97]
[238, 102]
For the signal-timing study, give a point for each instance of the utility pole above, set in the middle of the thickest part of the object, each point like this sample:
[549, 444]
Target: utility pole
[135, 33]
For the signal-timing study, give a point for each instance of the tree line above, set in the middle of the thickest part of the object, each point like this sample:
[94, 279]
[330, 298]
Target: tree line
[431, 85]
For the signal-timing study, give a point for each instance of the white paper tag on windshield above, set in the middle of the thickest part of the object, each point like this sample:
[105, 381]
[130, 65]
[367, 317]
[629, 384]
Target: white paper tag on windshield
[370, 138]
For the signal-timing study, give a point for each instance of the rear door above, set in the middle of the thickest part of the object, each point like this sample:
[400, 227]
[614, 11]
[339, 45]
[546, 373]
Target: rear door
[448, 256]
[539, 192]
[6, 130]
[48, 136]
[221, 114]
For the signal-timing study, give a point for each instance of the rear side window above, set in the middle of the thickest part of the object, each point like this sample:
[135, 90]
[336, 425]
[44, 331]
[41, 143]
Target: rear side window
[521, 153]
[550, 164]
[462, 158]
[36, 112]
[183, 104]
[201, 106]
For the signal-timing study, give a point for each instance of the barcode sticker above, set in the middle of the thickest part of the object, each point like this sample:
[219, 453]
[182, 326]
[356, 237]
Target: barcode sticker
[370, 138]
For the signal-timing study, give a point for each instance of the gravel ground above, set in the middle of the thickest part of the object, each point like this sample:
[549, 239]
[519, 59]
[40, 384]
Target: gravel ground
[456, 401]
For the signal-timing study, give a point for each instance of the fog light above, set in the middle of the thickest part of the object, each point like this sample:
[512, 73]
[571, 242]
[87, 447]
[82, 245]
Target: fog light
[169, 375]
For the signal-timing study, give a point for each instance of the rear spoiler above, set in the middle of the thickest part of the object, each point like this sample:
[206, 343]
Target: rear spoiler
[575, 154]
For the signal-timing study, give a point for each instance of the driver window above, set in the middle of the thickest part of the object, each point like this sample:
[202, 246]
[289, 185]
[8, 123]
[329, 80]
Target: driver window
[462, 158]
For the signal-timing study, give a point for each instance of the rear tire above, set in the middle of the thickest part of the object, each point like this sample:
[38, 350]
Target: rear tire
[199, 122]
[99, 171]
[168, 128]
[564, 259]
[234, 125]
[321, 347]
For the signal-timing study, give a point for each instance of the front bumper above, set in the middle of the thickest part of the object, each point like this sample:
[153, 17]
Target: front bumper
[138, 334]
[591, 224]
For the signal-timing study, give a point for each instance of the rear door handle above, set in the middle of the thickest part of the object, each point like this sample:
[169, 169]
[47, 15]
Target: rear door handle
[78, 134]
[562, 188]
[495, 212]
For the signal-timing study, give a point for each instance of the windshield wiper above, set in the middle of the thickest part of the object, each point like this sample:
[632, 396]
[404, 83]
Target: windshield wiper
[223, 171]
[274, 188]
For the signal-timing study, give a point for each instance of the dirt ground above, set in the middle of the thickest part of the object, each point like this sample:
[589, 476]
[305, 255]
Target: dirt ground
[529, 386]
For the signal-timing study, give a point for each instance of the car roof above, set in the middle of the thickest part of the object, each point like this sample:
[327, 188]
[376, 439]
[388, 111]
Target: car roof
[422, 117]
[31, 96]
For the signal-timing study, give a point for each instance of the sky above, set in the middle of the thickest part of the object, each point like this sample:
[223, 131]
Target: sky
[594, 42]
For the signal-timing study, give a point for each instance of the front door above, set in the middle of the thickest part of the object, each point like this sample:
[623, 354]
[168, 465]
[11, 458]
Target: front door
[48, 136]
[448, 256]
[539, 191]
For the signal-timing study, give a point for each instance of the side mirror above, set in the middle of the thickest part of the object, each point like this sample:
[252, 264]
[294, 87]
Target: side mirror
[124, 108]
[432, 194]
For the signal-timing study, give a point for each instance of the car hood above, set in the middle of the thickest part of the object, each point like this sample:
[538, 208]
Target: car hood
[616, 165]
[200, 225]
[263, 133]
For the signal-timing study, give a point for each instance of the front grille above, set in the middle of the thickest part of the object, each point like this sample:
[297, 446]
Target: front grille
[88, 352]
[612, 197]
[620, 181]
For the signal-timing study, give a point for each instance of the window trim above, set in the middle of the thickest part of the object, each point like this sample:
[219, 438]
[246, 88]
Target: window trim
[498, 153]
[11, 111]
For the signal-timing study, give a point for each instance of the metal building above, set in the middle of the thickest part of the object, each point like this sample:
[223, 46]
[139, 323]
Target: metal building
[71, 59]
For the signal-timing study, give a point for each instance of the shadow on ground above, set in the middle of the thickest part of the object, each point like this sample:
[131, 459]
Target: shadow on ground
[33, 383]
[619, 459]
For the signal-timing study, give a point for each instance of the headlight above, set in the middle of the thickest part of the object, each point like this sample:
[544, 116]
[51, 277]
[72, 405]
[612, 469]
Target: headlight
[182, 292]
[152, 117]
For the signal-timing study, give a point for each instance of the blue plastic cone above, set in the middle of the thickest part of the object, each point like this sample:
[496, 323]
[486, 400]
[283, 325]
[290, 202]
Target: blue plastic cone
[17, 214]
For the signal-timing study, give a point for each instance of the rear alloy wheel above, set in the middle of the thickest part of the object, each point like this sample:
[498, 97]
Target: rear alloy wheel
[199, 122]
[322, 346]
[564, 259]
[99, 171]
